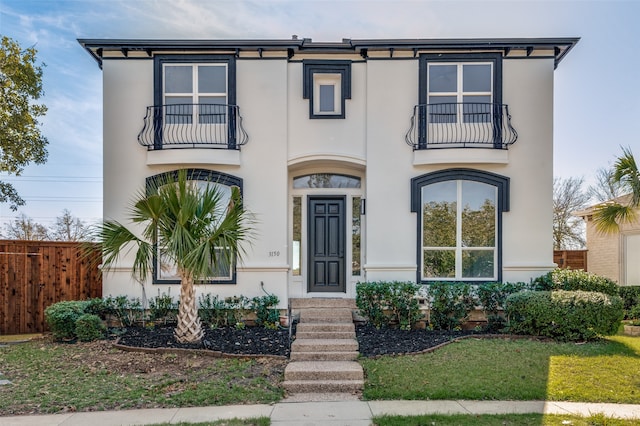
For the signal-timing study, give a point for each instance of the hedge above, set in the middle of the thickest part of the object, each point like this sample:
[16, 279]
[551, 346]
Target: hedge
[564, 315]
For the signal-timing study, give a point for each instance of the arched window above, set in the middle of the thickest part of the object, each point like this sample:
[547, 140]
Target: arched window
[459, 224]
[326, 180]
[164, 271]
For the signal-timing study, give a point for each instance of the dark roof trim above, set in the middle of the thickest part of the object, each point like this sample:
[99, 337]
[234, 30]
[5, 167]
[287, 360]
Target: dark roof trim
[96, 47]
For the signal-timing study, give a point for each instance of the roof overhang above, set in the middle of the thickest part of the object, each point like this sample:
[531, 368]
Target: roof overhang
[98, 47]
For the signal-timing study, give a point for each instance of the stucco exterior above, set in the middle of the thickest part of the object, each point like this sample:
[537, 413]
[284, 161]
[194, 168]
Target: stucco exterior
[368, 143]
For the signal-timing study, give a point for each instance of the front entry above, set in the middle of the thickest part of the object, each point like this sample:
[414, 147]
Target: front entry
[326, 244]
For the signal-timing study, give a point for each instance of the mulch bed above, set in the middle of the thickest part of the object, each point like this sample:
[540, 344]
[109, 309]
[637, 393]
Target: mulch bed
[247, 341]
[258, 341]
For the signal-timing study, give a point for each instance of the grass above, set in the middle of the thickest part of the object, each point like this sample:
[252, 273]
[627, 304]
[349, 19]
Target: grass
[49, 378]
[497, 369]
[260, 421]
[501, 420]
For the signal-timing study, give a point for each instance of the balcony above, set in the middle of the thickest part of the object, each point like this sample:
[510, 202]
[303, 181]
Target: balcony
[200, 126]
[461, 125]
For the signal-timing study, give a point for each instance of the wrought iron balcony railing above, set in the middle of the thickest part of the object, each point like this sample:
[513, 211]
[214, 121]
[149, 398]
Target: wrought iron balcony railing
[193, 126]
[461, 125]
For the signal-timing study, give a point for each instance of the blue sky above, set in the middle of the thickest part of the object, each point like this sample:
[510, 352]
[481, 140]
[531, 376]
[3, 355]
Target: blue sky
[597, 92]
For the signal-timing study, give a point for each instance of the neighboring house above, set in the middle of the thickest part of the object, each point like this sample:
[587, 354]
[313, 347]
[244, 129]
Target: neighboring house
[416, 160]
[614, 255]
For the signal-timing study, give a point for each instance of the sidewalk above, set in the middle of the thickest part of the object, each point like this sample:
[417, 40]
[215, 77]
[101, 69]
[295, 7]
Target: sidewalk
[331, 413]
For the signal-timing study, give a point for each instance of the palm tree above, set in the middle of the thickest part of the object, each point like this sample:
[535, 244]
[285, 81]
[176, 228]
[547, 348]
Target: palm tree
[609, 215]
[185, 225]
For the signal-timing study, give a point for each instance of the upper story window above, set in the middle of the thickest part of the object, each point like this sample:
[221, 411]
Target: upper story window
[195, 93]
[460, 91]
[459, 224]
[460, 103]
[326, 84]
[194, 104]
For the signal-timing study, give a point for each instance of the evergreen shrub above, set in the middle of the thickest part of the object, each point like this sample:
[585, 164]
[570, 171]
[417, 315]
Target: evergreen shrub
[564, 315]
[89, 327]
[575, 280]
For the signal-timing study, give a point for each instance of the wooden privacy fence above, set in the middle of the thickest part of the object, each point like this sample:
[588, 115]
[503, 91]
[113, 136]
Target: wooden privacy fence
[37, 274]
[572, 259]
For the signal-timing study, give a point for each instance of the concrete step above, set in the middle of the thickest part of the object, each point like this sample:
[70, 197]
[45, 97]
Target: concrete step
[322, 302]
[311, 327]
[324, 356]
[325, 334]
[323, 386]
[323, 370]
[324, 345]
[327, 315]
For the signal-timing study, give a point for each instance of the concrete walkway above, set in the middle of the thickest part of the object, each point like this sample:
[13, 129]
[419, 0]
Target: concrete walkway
[330, 412]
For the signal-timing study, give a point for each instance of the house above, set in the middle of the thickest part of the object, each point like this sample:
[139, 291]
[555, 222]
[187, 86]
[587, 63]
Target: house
[614, 255]
[414, 160]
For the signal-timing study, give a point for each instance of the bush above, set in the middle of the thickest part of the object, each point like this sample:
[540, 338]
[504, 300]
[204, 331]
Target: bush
[265, 309]
[89, 327]
[162, 308]
[450, 304]
[97, 306]
[630, 297]
[575, 280]
[389, 302]
[492, 297]
[128, 311]
[371, 300]
[215, 312]
[61, 318]
[404, 307]
[564, 315]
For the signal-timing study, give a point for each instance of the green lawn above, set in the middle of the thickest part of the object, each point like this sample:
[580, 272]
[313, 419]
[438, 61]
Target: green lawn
[499, 369]
[48, 377]
[501, 420]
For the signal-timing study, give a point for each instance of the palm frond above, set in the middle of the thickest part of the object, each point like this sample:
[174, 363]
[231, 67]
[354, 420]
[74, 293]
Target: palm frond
[607, 217]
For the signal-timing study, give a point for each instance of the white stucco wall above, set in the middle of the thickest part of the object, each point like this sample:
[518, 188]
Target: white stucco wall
[284, 142]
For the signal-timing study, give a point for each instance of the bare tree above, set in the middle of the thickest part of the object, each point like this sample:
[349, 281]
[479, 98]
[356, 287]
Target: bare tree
[568, 197]
[25, 228]
[606, 188]
[69, 228]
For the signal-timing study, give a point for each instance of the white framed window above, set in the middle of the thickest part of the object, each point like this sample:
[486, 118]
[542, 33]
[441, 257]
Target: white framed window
[631, 254]
[327, 85]
[327, 94]
[459, 238]
[195, 93]
[460, 92]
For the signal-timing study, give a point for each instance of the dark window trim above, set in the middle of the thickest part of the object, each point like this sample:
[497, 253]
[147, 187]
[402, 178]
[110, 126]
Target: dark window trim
[427, 58]
[192, 174]
[311, 67]
[499, 181]
[158, 92]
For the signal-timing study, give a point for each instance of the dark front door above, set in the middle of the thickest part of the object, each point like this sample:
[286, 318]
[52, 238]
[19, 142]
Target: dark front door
[326, 244]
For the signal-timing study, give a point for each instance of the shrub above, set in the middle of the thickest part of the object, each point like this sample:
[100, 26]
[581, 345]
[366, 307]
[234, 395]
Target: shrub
[89, 327]
[564, 315]
[162, 308]
[215, 312]
[97, 306]
[128, 311]
[265, 309]
[492, 297]
[404, 307]
[630, 297]
[61, 318]
[575, 280]
[211, 311]
[371, 300]
[389, 302]
[450, 304]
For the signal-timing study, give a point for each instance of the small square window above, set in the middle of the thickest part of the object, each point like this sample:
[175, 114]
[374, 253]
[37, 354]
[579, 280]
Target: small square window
[326, 84]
